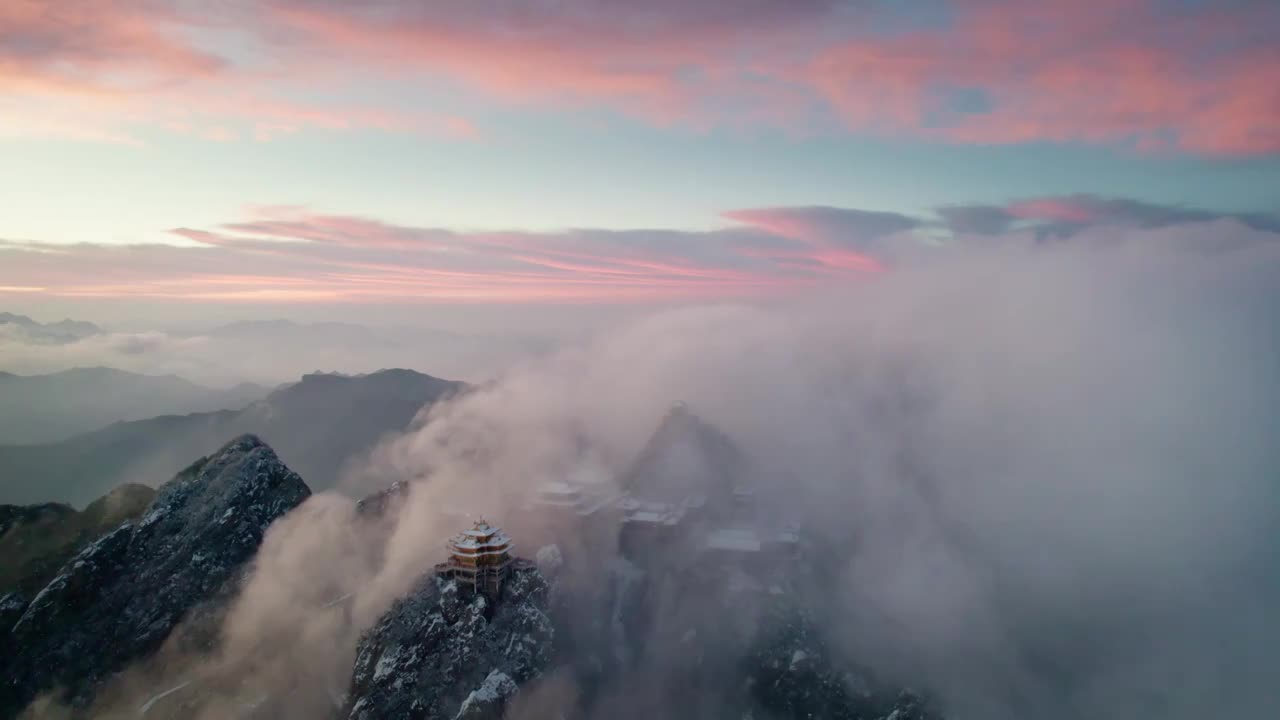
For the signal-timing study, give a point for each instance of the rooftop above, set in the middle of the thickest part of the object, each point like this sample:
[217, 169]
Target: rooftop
[558, 488]
[483, 537]
[582, 500]
[482, 529]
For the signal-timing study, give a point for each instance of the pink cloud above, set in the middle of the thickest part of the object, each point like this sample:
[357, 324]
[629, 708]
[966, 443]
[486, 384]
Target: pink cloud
[829, 226]
[1087, 72]
[1132, 71]
[663, 61]
[1143, 73]
[95, 47]
[1066, 209]
[289, 254]
[100, 70]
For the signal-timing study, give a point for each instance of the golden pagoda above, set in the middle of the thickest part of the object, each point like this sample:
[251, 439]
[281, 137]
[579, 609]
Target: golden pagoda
[478, 559]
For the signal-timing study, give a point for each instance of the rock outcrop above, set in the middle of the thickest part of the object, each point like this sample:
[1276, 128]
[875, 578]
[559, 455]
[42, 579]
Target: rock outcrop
[440, 653]
[120, 597]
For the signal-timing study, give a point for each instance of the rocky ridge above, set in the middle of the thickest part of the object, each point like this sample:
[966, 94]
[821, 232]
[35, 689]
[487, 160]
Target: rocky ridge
[120, 597]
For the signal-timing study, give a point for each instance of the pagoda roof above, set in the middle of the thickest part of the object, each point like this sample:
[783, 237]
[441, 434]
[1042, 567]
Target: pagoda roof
[481, 537]
[482, 529]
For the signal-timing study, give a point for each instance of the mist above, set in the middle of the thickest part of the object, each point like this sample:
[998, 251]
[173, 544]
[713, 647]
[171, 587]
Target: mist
[1045, 472]
[274, 351]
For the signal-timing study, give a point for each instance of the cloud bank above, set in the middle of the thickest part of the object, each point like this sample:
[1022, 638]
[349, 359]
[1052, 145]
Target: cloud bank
[1049, 468]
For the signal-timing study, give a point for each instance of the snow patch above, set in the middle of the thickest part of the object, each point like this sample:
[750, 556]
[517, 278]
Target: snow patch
[335, 601]
[160, 696]
[798, 657]
[498, 686]
[387, 663]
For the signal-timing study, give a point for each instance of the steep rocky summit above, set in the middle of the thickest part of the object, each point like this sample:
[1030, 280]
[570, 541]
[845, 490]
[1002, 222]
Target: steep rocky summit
[442, 653]
[120, 597]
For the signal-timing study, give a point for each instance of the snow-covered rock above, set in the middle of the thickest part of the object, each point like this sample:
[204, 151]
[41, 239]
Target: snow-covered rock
[487, 701]
[442, 653]
[121, 596]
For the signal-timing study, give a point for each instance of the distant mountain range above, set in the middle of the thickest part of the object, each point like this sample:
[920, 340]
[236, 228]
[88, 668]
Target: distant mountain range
[54, 407]
[63, 331]
[318, 425]
[264, 351]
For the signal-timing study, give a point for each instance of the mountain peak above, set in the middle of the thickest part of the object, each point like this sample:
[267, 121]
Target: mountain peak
[685, 456]
[247, 442]
[121, 596]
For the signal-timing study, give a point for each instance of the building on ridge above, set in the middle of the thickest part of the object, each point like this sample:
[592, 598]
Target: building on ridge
[570, 498]
[479, 559]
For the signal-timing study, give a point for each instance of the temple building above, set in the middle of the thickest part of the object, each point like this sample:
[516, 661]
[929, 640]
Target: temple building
[650, 513]
[478, 560]
[570, 498]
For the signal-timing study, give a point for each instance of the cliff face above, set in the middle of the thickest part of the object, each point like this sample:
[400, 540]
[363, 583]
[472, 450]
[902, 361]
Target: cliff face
[120, 597]
[440, 653]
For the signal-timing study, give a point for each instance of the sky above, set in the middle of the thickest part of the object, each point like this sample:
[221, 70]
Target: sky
[298, 154]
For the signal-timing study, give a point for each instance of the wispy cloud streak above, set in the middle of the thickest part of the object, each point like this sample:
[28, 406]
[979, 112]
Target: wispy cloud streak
[290, 254]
